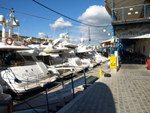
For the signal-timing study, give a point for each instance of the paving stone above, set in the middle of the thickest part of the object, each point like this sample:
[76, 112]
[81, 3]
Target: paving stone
[129, 95]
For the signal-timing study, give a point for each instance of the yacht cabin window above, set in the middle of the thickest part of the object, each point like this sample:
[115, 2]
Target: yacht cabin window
[28, 58]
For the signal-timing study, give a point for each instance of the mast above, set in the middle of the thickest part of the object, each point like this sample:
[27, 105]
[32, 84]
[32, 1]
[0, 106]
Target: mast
[10, 23]
[89, 36]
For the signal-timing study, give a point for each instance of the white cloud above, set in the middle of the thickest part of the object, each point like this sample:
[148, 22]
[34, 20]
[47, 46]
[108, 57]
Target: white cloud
[41, 35]
[60, 24]
[98, 16]
[74, 38]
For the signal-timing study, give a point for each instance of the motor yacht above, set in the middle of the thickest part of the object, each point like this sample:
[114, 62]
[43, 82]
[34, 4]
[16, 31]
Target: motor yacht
[83, 52]
[51, 56]
[99, 55]
[71, 56]
[15, 74]
[62, 59]
[67, 43]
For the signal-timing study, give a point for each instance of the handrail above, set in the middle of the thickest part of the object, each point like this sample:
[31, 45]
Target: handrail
[121, 15]
[25, 82]
[131, 6]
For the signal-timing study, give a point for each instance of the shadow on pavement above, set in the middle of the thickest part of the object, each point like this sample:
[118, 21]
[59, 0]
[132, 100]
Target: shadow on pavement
[96, 99]
[104, 98]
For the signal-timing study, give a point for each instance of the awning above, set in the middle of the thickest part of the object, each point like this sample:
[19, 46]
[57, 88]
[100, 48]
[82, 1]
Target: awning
[133, 31]
[105, 41]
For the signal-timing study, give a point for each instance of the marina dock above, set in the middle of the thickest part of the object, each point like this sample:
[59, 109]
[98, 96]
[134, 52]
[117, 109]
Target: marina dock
[39, 101]
[126, 91]
[45, 73]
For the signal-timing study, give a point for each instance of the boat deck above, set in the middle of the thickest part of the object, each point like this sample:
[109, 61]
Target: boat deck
[28, 86]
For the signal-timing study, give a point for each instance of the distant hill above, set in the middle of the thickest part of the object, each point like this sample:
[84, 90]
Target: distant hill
[21, 38]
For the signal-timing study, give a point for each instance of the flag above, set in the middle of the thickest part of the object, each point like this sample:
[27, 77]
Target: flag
[25, 42]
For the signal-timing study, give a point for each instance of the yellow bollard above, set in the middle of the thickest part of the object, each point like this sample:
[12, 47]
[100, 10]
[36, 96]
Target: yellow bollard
[100, 72]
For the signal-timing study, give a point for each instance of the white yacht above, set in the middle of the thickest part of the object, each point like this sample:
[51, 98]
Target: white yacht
[61, 55]
[67, 43]
[73, 59]
[15, 74]
[18, 75]
[63, 58]
[99, 55]
[89, 53]
[83, 52]
[51, 55]
[54, 62]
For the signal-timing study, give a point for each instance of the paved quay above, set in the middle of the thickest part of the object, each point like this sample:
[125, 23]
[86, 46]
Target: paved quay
[126, 91]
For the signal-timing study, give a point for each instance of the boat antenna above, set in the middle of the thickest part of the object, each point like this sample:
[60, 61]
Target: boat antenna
[12, 11]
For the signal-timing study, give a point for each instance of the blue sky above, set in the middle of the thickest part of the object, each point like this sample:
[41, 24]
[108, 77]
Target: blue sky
[88, 11]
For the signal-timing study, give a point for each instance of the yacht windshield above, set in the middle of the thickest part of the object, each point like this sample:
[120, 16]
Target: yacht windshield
[28, 58]
[8, 58]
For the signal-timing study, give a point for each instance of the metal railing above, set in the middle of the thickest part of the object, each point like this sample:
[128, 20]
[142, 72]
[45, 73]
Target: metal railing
[132, 12]
[39, 77]
[27, 81]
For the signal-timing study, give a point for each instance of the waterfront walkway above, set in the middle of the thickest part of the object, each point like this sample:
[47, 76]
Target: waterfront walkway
[126, 91]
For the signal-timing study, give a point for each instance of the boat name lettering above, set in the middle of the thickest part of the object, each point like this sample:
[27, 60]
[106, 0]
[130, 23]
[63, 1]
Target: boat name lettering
[27, 74]
[31, 73]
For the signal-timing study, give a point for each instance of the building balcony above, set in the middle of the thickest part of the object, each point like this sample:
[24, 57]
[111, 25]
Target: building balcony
[133, 14]
[128, 11]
